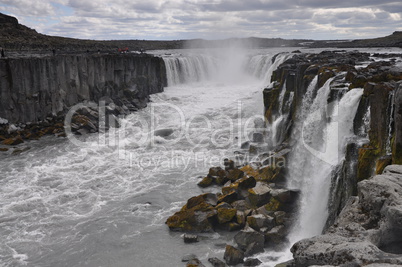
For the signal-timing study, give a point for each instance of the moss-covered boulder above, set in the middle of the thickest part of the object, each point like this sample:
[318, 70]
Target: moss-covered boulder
[206, 181]
[196, 219]
[225, 215]
[259, 195]
[233, 255]
[259, 221]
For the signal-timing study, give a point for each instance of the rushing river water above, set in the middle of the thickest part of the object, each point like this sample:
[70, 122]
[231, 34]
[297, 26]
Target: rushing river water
[103, 201]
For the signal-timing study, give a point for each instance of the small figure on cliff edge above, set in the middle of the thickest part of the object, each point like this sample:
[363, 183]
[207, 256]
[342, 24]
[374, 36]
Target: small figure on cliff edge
[54, 52]
[2, 53]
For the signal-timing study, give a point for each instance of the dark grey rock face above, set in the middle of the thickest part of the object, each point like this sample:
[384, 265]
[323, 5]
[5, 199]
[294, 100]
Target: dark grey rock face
[368, 230]
[32, 89]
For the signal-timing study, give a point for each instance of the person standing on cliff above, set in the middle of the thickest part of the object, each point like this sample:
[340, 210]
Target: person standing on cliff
[2, 52]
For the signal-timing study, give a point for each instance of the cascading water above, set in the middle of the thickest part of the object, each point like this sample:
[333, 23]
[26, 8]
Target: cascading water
[320, 132]
[262, 66]
[185, 69]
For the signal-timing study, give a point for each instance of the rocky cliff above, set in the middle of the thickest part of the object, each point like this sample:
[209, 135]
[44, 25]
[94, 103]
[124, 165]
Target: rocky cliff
[376, 144]
[34, 88]
[367, 232]
[39, 90]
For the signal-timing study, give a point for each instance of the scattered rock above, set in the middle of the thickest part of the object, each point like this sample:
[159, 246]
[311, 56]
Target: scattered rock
[206, 181]
[252, 262]
[13, 141]
[247, 236]
[233, 256]
[188, 257]
[190, 238]
[216, 262]
[195, 263]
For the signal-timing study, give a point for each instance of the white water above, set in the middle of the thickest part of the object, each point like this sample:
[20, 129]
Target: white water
[105, 204]
[325, 129]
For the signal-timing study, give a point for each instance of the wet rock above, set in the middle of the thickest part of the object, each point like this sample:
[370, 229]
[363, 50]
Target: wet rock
[256, 148]
[241, 217]
[253, 248]
[195, 263]
[206, 181]
[245, 145]
[259, 195]
[229, 164]
[233, 255]
[163, 132]
[190, 238]
[276, 236]
[247, 182]
[18, 151]
[216, 262]
[241, 205]
[224, 205]
[259, 221]
[258, 137]
[280, 217]
[225, 215]
[247, 236]
[188, 257]
[208, 198]
[13, 141]
[196, 216]
[234, 174]
[229, 198]
[252, 262]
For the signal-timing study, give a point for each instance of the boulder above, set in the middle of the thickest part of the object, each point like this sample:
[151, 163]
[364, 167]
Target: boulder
[229, 164]
[216, 262]
[275, 236]
[229, 198]
[190, 238]
[252, 262]
[247, 236]
[234, 174]
[259, 221]
[195, 219]
[195, 263]
[233, 255]
[254, 248]
[225, 215]
[259, 195]
[206, 181]
[247, 182]
[208, 198]
[241, 205]
[367, 231]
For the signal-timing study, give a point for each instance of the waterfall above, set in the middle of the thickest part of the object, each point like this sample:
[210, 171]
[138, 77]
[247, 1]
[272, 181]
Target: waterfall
[262, 66]
[320, 146]
[390, 121]
[213, 66]
[189, 68]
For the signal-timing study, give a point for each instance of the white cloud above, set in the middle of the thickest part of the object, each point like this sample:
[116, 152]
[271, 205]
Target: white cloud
[184, 19]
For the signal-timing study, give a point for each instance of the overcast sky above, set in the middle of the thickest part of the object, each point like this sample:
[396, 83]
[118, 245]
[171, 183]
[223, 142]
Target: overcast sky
[209, 19]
